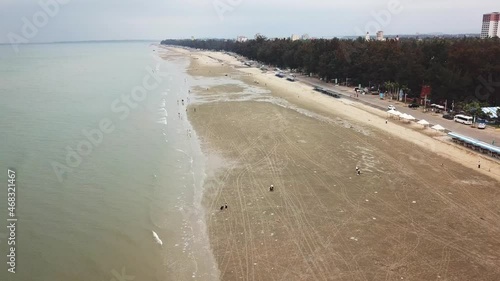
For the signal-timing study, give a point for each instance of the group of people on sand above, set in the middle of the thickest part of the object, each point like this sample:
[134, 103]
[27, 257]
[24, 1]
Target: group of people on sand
[271, 188]
[223, 207]
[358, 171]
[183, 102]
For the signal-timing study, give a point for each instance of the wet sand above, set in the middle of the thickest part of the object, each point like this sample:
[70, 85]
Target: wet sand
[412, 214]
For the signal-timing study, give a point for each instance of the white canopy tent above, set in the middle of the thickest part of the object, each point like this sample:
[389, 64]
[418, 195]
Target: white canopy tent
[394, 112]
[423, 123]
[438, 128]
[407, 116]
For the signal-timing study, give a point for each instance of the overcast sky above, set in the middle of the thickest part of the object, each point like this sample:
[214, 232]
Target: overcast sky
[159, 19]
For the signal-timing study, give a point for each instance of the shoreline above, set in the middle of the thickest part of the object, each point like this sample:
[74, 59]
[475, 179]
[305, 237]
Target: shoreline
[252, 142]
[187, 250]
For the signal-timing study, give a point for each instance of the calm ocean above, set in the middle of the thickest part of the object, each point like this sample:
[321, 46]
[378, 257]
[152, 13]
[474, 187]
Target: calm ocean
[102, 160]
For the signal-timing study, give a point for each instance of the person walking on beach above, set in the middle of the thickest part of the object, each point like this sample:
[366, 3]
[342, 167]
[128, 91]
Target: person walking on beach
[222, 208]
[271, 188]
[225, 206]
[479, 164]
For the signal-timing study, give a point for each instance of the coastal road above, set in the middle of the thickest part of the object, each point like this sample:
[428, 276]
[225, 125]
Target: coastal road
[488, 135]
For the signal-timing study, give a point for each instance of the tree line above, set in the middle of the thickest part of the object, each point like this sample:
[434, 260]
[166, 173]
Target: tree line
[462, 70]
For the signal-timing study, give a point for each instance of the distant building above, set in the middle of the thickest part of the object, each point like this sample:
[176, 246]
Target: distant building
[490, 26]
[241, 39]
[305, 37]
[380, 36]
[294, 37]
[367, 37]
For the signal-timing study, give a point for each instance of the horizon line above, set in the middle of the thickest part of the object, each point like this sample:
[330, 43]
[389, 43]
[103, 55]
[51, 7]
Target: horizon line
[159, 40]
[87, 41]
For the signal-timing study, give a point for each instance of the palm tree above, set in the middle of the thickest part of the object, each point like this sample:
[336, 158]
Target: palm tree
[391, 87]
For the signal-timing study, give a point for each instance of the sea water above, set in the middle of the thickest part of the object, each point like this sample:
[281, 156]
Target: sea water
[109, 171]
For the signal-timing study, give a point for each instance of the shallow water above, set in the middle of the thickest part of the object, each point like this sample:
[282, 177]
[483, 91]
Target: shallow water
[93, 216]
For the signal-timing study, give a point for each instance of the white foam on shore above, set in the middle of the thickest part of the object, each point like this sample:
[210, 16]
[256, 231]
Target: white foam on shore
[195, 254]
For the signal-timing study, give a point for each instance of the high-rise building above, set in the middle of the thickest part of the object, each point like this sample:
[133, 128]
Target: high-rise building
[241, 39]
[380, 36]
[294, 37]
[367, 36]
[490, 26]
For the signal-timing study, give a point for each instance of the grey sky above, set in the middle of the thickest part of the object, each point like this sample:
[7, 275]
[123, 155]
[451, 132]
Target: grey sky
[159, 19]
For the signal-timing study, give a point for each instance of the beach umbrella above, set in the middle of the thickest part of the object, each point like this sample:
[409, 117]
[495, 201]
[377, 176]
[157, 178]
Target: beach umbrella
[423, 122]
[438, 128]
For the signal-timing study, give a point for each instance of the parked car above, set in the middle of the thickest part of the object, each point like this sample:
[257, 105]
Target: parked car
[481, 125]
[413, 105]
[391, 107]
[448, 116]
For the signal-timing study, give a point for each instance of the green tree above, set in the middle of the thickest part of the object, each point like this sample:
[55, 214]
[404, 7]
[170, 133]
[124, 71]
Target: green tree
[455, 68]
[473, 108]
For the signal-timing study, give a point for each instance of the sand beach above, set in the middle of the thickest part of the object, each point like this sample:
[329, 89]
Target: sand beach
[419, 210]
